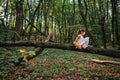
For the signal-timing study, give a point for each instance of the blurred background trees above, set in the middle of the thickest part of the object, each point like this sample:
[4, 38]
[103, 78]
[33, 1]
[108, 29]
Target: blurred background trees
[59, 20]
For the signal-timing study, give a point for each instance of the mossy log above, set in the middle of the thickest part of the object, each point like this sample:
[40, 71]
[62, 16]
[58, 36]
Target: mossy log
[100, 51]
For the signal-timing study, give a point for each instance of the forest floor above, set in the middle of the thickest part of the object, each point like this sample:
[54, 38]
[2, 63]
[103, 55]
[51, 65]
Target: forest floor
[55, 64]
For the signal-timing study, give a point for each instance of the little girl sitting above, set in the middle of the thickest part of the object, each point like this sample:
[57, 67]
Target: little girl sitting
[80, 41]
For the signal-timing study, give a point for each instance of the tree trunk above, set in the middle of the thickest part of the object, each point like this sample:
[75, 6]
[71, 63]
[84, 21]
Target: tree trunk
[6, 22]
[51, 36]
[102, 22]
[19, 18]
[100, 51]
[114, 23]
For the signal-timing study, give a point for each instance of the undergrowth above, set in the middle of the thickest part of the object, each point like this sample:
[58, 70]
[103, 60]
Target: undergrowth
[55, 64]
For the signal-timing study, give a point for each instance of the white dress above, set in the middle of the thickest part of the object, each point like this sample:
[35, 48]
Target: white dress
[83, 41]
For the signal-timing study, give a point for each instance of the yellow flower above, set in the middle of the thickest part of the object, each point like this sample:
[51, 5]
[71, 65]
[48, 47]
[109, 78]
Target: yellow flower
[22, 51]
[25, 58]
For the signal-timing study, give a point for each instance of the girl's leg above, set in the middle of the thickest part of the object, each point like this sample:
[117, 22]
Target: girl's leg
[85, 45]
[87, 40]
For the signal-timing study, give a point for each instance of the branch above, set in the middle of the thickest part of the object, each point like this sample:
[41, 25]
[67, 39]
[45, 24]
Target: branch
[105, 61]
[37, 52]
[35, 27]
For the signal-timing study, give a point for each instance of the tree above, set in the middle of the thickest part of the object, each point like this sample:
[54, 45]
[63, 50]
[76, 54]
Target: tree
[19, 19]
[102, 21]
[114, 23]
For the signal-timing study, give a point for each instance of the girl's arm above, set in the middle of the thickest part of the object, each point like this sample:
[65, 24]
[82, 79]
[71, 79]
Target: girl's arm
[77, 38]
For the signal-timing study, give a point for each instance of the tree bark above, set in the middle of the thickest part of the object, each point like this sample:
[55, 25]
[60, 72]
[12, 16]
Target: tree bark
[114, 22]
[102, 22]
[19, 18]
[100, 51]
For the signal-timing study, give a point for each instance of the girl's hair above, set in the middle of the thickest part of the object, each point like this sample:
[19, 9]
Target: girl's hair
[81, 30]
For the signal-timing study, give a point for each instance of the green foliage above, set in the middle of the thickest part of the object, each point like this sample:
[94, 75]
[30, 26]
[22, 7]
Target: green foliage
[56, 64]
[55, 70]
[83, 71]
[30, 53]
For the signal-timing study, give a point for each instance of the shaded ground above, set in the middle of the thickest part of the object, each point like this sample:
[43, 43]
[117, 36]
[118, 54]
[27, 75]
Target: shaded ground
[54, 64]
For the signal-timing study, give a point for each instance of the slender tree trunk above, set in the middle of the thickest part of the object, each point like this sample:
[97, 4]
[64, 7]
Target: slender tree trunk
[102, 22]
[19, 18]
[6, 22]
[46, 6]
[114, 23]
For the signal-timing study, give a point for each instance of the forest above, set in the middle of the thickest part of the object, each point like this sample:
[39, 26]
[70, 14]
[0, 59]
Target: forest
[36, 39]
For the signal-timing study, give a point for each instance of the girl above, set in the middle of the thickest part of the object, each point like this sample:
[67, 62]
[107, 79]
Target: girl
[80, 41]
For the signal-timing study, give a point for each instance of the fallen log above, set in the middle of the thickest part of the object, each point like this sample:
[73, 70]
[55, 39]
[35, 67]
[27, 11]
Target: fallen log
[100, 51]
